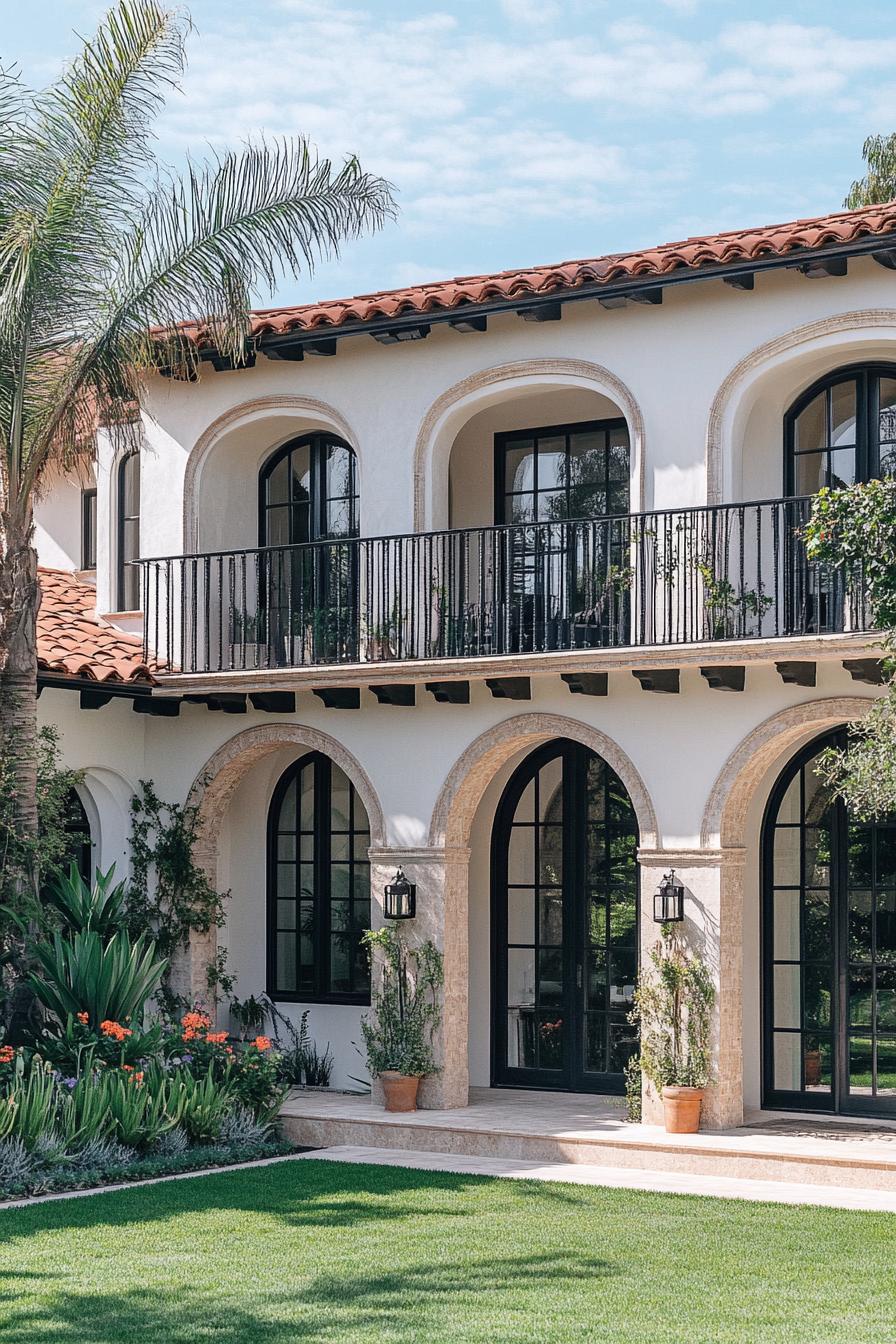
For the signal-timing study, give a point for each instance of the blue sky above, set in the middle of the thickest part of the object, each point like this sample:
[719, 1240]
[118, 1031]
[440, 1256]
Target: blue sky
[527, 131]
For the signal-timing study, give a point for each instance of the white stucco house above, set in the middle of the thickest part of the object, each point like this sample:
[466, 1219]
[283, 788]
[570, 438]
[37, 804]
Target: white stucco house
[500, 580]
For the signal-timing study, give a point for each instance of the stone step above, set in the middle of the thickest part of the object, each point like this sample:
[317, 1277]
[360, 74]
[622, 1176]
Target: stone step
[743, 1155]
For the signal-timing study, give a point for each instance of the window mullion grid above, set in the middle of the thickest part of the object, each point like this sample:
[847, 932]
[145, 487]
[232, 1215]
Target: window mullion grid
[322, 875]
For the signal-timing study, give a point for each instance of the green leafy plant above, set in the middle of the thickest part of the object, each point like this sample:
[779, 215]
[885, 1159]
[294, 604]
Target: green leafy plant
[673, 1006]
[199, 1105]
[250, 1013]
[854, 529]
[727, 607]
[110, 981]
[633, 1089]
[169, 893]
[139, 1114]
[98, 907]
[301, 1062]
[34, 1101]
[405, 1011]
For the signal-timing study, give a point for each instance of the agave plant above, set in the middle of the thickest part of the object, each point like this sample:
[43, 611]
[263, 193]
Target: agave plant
[100, 908]
[107, 980]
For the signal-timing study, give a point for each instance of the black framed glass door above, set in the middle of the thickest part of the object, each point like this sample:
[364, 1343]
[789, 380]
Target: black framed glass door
[829, 949]
[559, 572]
[564, 924]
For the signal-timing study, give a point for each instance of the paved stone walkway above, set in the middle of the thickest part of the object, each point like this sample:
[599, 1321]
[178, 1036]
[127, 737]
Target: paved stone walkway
[578, 1173]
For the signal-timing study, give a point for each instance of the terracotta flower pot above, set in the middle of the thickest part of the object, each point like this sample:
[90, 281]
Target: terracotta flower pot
[399, 1091]
[681, 1109]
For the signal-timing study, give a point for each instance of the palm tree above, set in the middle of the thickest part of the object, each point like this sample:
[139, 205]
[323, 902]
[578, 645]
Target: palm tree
[879, 184]
[98, 246]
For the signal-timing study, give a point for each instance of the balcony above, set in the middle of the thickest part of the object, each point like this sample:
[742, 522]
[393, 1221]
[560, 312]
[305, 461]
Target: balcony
[697, 576]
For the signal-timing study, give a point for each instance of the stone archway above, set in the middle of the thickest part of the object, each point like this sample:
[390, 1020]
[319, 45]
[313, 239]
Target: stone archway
[213, 789]
[724, 817]
[443, 869]
[470, 775]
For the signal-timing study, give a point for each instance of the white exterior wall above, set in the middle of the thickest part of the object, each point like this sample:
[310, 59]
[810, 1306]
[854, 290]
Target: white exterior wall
[711, 366]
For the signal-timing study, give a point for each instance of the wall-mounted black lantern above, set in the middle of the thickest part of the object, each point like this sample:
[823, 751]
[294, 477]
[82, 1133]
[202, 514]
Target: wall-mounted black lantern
[668, 902]
[400, 898]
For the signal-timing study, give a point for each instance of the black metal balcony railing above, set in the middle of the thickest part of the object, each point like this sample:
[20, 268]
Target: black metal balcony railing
[726, 572]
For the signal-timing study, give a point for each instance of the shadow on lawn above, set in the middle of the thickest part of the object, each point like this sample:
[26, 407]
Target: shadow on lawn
[302, 1194]
[334, 1308]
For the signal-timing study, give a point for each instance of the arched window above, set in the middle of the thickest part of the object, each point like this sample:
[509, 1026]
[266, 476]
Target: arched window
[829, 947]
[79, 843]
[842, 430]
[318, 886]
[128, 532]
[308, 491]
[77, 830]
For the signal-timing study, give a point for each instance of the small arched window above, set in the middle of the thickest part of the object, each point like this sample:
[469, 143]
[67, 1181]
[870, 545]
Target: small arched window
[78, 842]
[308, 491]
[842, 430]
[318, 886]
[129, 532]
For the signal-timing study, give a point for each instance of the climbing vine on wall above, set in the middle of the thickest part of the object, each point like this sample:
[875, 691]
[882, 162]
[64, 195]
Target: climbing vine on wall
[169, 893]
[855, 529]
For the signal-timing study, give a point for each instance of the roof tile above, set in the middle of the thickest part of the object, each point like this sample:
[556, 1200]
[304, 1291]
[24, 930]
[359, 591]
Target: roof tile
[720, 249]
[74, 641]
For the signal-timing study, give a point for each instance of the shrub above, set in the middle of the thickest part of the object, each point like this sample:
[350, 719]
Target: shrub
[405, 1010]
[15, 1162]
[241, 1128]
[673, 1003]
[110, 981]
[199, 1105]
[255, 1079]
[140, 1114]
[300, 1062]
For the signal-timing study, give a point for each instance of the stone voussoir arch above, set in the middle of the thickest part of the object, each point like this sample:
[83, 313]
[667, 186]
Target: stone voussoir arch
[787, 342]
[774, 740]
[574, 372]
[218, 779]
[472, 772]
[259, 408]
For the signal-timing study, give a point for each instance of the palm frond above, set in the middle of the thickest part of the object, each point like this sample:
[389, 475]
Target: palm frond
[228, 231]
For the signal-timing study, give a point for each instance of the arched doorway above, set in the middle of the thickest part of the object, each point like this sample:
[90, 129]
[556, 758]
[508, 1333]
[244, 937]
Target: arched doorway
[564, 924]
[829, 948]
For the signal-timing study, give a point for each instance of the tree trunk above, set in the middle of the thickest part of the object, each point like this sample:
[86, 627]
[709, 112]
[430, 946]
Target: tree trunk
[19, 601]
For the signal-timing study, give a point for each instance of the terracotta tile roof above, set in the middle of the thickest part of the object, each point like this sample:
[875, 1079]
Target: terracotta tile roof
[73, 641]
[721, 249]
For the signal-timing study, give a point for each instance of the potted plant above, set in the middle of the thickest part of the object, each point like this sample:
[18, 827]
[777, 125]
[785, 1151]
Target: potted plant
[673, 1004]
[405, 1013]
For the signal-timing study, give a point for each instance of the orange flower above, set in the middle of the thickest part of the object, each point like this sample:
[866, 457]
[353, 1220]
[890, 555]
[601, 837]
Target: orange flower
[189, 1034]
[216, 1037]
[83, 1018]
[6, 1054]
[138, 1076]
[229, 1049]
[262, 1043]
[114, 1029]
[128, 1068]
[196, 1022]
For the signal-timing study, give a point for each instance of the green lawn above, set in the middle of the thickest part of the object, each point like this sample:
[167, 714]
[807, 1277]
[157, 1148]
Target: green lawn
[321, 1251]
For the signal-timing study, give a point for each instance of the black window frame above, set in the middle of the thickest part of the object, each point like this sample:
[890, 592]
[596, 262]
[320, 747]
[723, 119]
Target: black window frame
[323, 834]
[127, 573]
[866, 376]
[88, 528]
[318, 443]
[507, 437]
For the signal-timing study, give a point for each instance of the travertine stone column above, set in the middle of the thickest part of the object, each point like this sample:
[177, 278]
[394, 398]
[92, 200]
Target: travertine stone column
[441, 876]
[713, 903]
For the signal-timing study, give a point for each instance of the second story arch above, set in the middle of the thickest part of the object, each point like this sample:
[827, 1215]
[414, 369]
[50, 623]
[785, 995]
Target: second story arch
[221, 478]
[459, 432]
